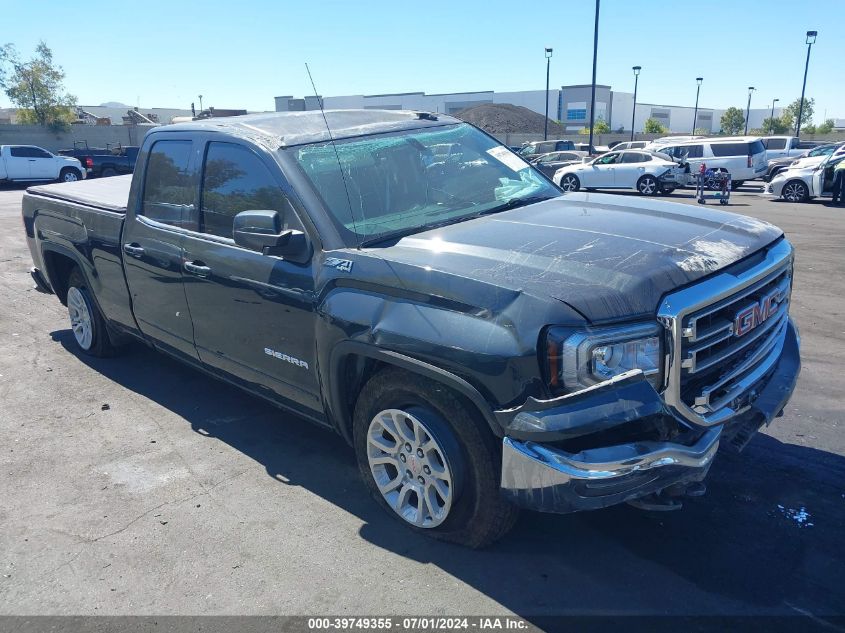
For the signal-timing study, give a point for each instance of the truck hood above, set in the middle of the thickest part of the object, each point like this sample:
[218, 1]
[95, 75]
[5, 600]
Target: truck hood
[609, 257]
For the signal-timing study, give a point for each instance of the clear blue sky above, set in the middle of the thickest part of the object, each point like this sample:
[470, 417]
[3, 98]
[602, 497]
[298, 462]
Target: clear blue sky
[242, 54]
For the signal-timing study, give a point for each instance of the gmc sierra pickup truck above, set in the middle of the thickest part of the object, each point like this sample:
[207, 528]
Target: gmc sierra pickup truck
[483, 341]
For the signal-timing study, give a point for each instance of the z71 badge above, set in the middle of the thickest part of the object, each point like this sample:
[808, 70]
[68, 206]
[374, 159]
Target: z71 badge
[343, 265]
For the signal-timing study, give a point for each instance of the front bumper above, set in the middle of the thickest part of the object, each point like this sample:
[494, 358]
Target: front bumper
[544, 477]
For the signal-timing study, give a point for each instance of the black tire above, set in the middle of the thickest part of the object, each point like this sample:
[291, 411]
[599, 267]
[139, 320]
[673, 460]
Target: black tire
[667, 191]
[736, 184]
[648, 186]
[478, 515]
[795, 191]
[70, 174]
[108, 172]
[570, 182]
[100, 345]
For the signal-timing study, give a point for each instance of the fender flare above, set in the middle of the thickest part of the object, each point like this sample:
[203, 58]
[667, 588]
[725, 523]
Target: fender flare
[336, 394]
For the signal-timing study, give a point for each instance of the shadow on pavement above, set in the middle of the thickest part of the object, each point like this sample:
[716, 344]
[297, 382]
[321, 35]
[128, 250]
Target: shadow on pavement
[733, 552]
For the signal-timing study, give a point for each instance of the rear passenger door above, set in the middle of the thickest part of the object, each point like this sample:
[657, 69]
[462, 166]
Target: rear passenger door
[252, 313]
[152, 246]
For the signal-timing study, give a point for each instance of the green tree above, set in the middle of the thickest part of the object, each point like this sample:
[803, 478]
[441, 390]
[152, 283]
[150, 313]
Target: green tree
[778, 125]
[809, 129]
[653, 126]
[36, 87]
[601, 127]
[826, 127]
[732, 121]
[806, 113]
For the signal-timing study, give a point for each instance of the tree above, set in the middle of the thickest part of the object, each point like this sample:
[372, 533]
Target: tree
[601, 127]
[809, 129]
[36, 87]
[806, 113]
[778, 125]
[653, 126]
[826, 127]
[732, 121]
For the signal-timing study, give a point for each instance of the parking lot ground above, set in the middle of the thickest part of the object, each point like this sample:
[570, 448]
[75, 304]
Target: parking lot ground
[135, 485]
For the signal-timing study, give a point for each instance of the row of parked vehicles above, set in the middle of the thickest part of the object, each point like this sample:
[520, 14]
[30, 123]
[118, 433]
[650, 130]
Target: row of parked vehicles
[796, 170]
[29, 163]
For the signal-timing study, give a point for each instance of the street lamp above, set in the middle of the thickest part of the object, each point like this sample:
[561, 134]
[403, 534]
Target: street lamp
[636, 70]
[593, 91]
[772, 117]
[548, 62]
[200, 96]
[748, 107]
[811, 39]
[698, 81]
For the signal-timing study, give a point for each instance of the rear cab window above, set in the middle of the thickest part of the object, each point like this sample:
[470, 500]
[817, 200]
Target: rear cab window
[774, 143]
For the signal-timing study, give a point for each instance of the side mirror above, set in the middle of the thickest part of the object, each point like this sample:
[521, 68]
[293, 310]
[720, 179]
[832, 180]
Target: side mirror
[261, 231]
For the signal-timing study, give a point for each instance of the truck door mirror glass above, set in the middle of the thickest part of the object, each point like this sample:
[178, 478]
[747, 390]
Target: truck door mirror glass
[261, 230]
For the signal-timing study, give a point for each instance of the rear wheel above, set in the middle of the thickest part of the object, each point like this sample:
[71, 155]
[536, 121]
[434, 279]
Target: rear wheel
[427, 460]
[86, 322]
[108, 171]
[570, 182]
[647, 185]
[69, 174]
[795, 191]
[736, 184]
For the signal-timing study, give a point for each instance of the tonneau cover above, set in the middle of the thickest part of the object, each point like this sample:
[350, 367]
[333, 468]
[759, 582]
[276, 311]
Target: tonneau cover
[110, 194]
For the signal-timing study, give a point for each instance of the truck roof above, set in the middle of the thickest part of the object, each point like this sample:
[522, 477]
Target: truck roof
[282, 129]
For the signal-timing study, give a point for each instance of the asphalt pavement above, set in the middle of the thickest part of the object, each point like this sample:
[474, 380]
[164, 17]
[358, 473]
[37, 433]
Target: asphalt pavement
[135, 485]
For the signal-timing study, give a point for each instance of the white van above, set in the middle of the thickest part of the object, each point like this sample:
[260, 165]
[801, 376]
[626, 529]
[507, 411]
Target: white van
[744, 157]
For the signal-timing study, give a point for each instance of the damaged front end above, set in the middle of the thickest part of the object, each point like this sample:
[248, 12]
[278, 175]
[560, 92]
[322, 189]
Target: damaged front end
[618, 441]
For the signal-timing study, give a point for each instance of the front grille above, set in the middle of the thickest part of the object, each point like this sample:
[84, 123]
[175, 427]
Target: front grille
[725, 335]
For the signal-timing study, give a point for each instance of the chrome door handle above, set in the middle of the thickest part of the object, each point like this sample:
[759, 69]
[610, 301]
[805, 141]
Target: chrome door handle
[133, 250]
[197, 268]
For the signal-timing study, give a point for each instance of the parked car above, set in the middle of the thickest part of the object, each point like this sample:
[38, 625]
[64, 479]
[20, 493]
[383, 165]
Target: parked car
[482, 341]
[801, 183]
[744, 157]
[118, 162]
[646, 172]
[535, 148]
[629, 145]
[25, 163]
[786, 146]
[779, 164]
[656, 144]
[551, 162]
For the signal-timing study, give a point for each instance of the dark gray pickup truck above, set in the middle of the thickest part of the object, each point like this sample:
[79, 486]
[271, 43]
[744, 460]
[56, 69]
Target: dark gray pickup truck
[483, 341]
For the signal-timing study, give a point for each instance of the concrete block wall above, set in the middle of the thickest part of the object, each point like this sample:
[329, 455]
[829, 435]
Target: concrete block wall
[95, 135]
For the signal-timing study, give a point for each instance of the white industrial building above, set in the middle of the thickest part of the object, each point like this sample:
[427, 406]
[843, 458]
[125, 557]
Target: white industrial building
[568, 104]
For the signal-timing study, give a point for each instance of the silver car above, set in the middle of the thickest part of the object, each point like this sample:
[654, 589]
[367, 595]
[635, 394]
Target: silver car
[803, 182]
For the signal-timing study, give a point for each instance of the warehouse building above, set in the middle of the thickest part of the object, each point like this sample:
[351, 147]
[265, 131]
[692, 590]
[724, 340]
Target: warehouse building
[568, 104]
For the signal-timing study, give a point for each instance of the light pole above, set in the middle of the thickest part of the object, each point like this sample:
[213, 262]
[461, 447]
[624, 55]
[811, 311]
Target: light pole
[772, 117]
[636, 70]
[593, 91]
[811, 39]
[200, 96]
[698, 81]
[548, 62]
[748, 107]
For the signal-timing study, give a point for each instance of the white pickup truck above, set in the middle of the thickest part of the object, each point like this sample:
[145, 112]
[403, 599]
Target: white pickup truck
[21, 163]
[785, 146]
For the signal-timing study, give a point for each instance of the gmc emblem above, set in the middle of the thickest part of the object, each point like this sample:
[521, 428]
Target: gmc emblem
[755, 314]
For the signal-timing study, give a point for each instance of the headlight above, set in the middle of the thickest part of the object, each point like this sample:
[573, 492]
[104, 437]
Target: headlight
[578, 360]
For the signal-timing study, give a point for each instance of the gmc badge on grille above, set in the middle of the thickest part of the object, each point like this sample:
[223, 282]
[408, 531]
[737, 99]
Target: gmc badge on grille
[749, 318]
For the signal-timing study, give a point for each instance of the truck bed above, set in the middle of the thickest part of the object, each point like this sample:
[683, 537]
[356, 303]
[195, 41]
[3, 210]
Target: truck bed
[109, 194]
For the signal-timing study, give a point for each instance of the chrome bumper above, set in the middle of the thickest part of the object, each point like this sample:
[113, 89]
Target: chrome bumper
[549, 480]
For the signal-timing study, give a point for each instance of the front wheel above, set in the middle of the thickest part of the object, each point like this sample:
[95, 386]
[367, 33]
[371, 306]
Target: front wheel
[647, 185]
[69, 174]
[570, 182]
[795, 191]
[427, 460]
[736, 184]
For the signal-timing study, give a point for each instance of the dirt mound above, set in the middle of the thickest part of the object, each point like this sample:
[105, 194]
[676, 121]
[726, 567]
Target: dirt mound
[504, 118]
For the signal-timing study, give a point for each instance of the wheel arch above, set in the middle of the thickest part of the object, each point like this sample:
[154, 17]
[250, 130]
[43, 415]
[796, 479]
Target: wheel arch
[353, 363]
[58, 264]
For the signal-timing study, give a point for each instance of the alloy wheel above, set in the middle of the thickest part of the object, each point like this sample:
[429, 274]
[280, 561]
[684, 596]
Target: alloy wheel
[569, 183]
[794, 192]
[409, 468]
[80, 318]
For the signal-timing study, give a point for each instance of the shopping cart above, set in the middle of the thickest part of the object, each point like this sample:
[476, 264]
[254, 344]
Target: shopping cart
[717, 181]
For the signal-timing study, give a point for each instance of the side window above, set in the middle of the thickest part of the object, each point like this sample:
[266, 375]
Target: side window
[37, 152]
[168, 193]
[20, 152]
[775, 143]
[607, 159]
[234, 180]
[695, 151]
[633, 157]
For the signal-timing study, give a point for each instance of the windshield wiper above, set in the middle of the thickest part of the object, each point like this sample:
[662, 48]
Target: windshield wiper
[513, 203]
